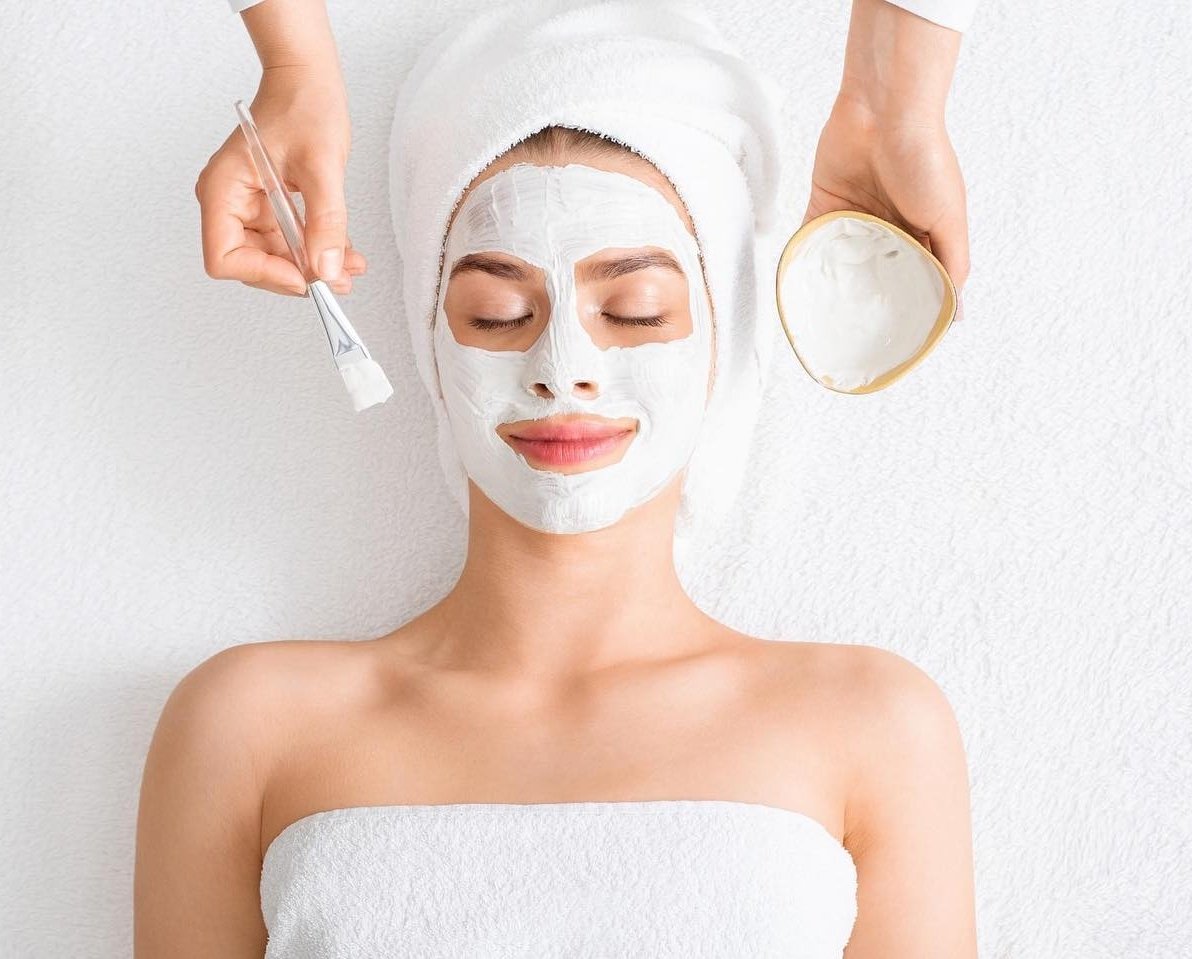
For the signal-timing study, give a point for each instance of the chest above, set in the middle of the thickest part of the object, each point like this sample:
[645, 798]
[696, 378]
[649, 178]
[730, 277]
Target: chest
[638, 742]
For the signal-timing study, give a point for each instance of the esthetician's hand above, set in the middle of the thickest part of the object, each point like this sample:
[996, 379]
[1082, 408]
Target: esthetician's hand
[301, 111]
[907, 174]
[885, 148]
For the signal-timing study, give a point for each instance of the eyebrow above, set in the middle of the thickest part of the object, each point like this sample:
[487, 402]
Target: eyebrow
[599, 270]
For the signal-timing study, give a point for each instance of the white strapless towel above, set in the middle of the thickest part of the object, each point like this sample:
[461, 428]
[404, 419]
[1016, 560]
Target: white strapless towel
[657, 878]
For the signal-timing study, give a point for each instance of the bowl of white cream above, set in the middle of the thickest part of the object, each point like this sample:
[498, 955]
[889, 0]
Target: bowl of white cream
[862, 302]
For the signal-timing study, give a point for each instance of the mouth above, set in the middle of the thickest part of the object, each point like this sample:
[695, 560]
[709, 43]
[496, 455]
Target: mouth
[563, 441]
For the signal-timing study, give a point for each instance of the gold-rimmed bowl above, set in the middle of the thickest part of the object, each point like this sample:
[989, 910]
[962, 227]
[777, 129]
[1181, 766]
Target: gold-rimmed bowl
[789, 312]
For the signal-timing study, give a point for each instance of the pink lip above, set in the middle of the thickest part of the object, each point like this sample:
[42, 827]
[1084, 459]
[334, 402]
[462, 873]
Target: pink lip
[567, 430]
[561, 452]
[562, 443]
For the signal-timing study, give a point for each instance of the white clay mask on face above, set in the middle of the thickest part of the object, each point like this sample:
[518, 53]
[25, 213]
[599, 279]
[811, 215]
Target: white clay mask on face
[551, 217]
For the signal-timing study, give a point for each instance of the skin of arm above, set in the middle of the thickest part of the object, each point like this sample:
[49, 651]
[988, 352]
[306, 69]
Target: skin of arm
[197, 873]
[301, 110]
[907, 820]
[292, 33]
[885, 148]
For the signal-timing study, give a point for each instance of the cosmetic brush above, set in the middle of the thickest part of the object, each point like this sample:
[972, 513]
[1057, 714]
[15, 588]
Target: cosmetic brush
[362, 375]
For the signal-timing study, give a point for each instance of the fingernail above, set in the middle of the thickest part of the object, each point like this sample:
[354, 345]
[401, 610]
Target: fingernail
[331, 263]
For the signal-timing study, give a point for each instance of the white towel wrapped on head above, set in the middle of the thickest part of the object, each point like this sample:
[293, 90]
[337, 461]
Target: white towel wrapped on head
[659, 78]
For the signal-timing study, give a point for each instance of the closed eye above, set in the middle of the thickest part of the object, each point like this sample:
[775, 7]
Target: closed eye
[483, 323]
[638, 320]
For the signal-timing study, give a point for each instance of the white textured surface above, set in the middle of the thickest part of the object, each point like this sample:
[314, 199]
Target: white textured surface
[181, 469]
[558, 879]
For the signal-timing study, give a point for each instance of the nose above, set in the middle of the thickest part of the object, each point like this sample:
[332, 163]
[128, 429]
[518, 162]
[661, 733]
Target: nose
[553, 387]
[565, 363]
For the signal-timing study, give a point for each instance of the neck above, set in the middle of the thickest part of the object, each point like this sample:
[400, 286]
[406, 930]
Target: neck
[544, 607]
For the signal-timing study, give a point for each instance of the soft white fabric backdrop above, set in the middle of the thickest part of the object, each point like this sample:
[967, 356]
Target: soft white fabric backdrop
[182, 471]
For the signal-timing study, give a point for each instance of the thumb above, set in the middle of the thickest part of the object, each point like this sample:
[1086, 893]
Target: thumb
[326, 220]
[950, 245]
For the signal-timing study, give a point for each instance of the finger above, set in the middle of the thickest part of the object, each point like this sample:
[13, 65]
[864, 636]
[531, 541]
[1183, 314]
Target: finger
[271, 265]
[230, 251]
[326, 218]
[958, 273]
[272, 289]
[354, 261]
[255, 267]
[274, 243]
[935, 245]
[950, 244]
[269, 240]
[341, 284]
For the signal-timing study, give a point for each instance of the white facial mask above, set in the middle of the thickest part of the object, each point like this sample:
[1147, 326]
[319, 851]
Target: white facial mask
[551, 217]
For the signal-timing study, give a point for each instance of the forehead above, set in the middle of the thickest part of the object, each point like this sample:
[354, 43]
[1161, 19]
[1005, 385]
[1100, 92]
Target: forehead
[549, 215]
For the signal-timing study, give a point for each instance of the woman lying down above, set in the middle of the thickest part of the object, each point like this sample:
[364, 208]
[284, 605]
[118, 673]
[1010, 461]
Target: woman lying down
[565, 756]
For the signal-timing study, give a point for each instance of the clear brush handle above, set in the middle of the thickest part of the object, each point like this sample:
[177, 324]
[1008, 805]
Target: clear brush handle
[279, 197]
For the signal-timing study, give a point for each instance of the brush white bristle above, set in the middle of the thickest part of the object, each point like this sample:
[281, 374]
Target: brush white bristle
[366, 383]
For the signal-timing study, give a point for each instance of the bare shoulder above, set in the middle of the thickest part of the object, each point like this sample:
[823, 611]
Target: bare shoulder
[198, 815]
[898, 747]
[866, 688]
[853, 680]
[217, 705]
[228, 711]
[907, 819]
[231, 698]
[198, 855]
[894, 719]
[249, 682]
[888, 691]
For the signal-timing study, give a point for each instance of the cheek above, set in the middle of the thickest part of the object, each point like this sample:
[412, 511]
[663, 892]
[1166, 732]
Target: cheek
[478, 383]
[460, 377]
[663, 376]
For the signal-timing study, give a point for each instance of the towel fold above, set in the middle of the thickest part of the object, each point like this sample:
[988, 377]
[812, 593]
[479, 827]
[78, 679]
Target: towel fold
[655, 76]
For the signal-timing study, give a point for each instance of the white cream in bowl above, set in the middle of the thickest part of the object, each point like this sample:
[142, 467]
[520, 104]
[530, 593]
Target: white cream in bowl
[861, 301]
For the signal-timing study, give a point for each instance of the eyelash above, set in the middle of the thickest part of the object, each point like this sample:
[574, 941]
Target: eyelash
[481, 323]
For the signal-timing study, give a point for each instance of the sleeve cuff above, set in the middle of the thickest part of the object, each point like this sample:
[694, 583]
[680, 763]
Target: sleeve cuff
[954, 14]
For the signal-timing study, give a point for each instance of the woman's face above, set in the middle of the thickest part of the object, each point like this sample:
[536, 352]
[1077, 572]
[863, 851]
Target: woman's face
[573, 302]
[626, 296]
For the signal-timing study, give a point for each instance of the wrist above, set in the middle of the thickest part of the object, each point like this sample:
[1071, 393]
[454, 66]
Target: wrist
[292, 34]
[897, 66]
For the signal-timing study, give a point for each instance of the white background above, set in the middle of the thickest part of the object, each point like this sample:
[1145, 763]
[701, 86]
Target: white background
[181, 469]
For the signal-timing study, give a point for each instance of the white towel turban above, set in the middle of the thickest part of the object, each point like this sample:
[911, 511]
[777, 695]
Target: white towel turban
[655, 76]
